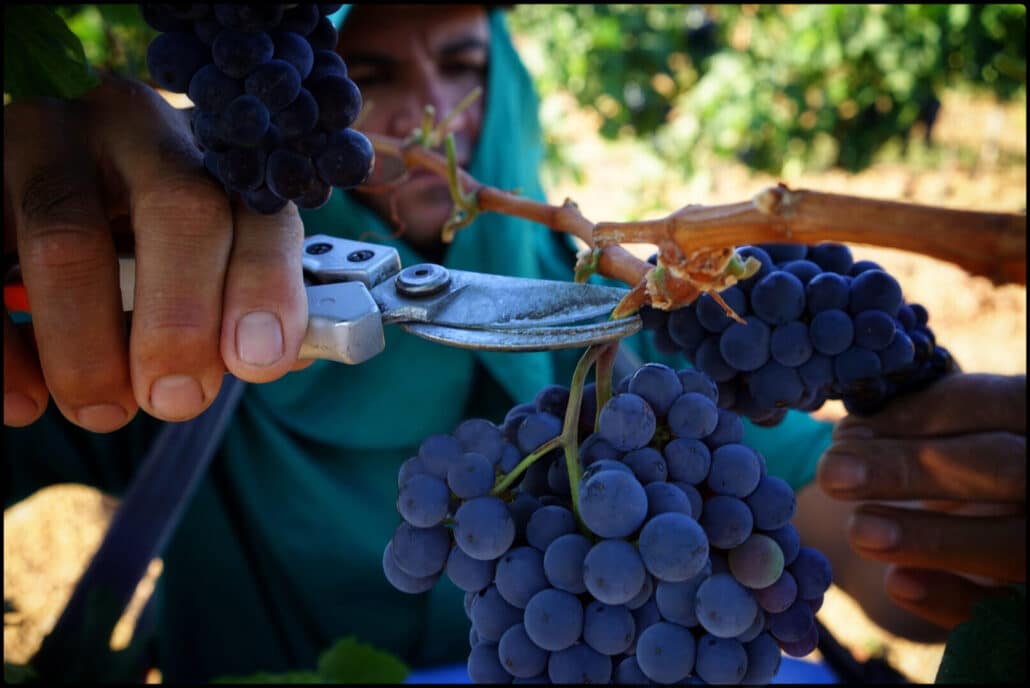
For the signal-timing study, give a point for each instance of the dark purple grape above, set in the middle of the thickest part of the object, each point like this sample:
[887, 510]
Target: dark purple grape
[289, 174]
[311, 144]
[211, 90]
[710, 361]
[299, 117]
[784, 253]
[790, 344]
[712, 316]
[874, 330]
[163, 17]
[237, 53]
[745, 252]
[250, 17]
[323, 36]
[832, 332]
[918, 310]
[207, 29]
[300, 19]
[832, 257]
[347, 160]
[804, 270]
[174, 57]
[875, 289]
[658, 384]
[245, 121]
[339, 101]
[209, 131]
[263, 201]
[293, 48]
[898, 354]
[211, 160]
[856, 364]
[827, 291]
[327, 63]
[775, 385]
[242, 169]
[746, 346]
[778, 298]
[686, 330]
[275, 83]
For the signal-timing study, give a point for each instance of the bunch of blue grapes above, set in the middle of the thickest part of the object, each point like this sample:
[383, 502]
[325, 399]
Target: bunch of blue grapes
[819, 325]
[273, 105]
[682, 566]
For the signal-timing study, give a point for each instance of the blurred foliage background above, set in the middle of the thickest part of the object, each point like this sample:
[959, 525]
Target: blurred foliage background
[781, 88]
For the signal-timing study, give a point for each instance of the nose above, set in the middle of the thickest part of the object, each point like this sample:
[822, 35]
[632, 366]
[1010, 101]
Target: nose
[428, 87]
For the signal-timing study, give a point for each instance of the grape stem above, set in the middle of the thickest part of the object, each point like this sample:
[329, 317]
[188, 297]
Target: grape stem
[506, 481]
[570, 427]
[568, 439]
[690, 239]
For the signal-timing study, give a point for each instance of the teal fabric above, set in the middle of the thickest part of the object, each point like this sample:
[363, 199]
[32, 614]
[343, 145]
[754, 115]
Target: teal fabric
[279, 552]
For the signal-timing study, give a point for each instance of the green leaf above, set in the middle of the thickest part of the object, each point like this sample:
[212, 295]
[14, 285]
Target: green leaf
[42, 57]
[991, 646]
[349, 661]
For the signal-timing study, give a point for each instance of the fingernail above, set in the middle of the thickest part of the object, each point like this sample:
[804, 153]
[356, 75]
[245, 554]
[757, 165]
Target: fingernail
[842, 471]
[259, 338]
[102, 417]
[19, 409]
[905, 586]
[873, 532]
[176, 396]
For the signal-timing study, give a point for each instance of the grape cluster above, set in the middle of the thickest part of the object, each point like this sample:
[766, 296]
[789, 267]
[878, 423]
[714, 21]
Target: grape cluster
[820, 326]
[681, 566]
[273, 104]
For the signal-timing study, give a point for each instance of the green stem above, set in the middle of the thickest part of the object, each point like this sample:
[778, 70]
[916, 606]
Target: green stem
[465, 208]
[452, 172]
[441, 130]
[570, 429]
[603, 382]
[506, 481]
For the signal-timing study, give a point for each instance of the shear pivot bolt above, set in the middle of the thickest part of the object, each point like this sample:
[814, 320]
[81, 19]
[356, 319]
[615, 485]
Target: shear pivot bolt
[319, 248]
[423, 279]
[360, 256]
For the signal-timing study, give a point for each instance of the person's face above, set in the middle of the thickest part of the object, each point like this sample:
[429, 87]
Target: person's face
[403, 58]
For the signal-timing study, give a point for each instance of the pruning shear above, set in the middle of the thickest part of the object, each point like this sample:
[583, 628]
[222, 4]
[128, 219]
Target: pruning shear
[355, 289]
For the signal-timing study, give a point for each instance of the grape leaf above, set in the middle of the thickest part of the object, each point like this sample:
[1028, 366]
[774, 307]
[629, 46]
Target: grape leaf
[349, 661]
[991, 646]
[42, 57]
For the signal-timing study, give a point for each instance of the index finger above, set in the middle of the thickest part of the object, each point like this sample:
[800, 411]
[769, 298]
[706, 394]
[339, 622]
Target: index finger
[182, 223]
[955, 404]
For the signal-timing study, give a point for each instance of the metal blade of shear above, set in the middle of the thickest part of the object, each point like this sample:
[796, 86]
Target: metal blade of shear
[434, 295]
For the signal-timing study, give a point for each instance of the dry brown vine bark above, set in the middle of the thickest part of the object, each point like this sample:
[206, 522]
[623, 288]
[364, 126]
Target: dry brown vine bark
[692, 242]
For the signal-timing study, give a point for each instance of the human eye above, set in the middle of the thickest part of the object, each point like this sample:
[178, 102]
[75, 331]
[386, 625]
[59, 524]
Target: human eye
[367, 73]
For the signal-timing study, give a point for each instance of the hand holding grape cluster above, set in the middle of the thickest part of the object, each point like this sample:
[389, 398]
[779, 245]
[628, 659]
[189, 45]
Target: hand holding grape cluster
[273, 102]
[671, 557]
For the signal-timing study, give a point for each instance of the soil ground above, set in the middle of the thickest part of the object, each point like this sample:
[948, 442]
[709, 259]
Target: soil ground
[49, 538]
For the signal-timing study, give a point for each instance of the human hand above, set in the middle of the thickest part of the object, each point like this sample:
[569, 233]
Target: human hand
[217, 286]
[959, 448]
